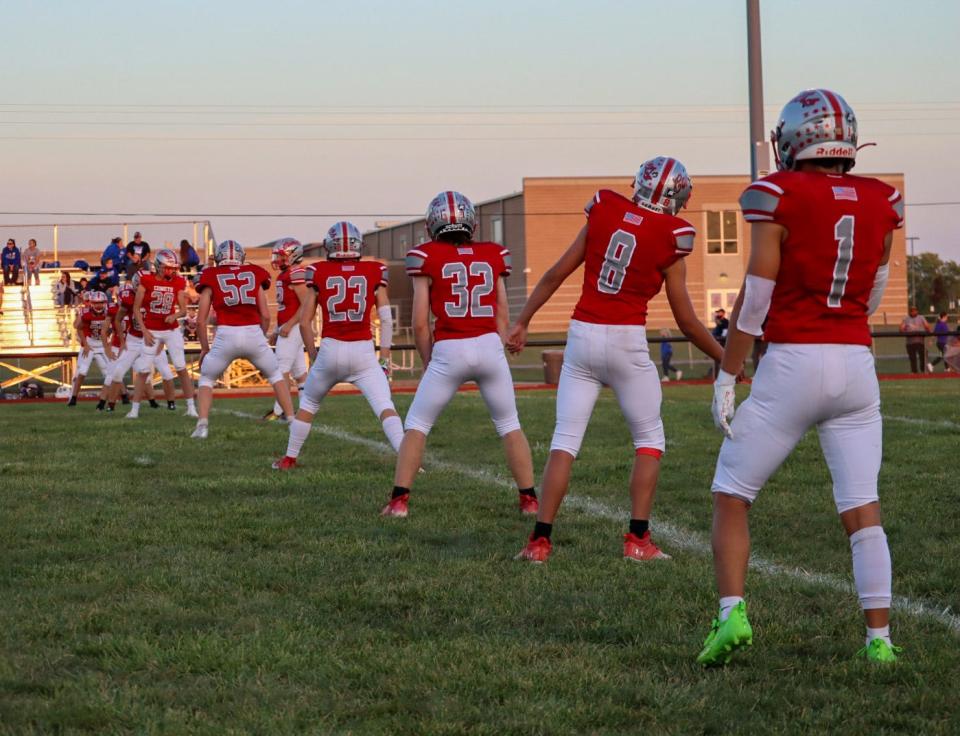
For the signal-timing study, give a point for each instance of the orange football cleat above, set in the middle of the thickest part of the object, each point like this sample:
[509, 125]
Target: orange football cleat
[397, 507]
[537, 550]
[285, 463]
[640, 549]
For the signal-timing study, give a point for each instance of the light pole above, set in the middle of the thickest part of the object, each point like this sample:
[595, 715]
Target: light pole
[759, 153]
[912, 264]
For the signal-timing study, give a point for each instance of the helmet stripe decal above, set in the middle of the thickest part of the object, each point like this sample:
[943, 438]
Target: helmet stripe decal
[837, 113]
[667, 168]
[451, 204]
[345, 243]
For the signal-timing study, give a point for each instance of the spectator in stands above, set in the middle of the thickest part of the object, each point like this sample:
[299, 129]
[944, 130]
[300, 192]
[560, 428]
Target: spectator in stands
[940, 329]
[916, 344]
[64, 290]
[666, 355]
[31, 259]
[106, 279]
[189, 259]
[139, 247]
[11, 263]
[115, 252]
[82, 286]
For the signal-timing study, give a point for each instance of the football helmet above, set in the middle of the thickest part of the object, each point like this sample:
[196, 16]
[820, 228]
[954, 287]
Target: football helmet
[343, 240]
[98, 301]
[663, 185]
[85, 296]
[167, 263]
[817, 123]
[229, 253]
[286, 252]
[450, 212]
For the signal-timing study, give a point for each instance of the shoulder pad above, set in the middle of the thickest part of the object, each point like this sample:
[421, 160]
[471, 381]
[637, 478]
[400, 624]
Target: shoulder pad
[415, 261]
[760, 200]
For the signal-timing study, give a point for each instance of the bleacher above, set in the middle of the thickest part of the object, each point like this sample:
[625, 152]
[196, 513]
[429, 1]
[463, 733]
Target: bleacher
[32, 321]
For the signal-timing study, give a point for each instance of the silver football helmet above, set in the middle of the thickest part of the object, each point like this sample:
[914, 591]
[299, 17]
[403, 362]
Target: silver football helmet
[229, 253]
[663, 185]
[167, 263]
[343, 240]
[286, 252]
[98, 301]
[817, 123]
[450, 212]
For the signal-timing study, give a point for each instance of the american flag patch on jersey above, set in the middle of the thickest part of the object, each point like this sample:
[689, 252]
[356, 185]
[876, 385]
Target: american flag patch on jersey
[848, 193]
[632, 218]
[464, 251]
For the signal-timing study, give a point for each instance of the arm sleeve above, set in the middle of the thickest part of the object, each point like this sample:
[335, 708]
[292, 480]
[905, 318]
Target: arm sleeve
[896, 204]
[386, 326]
[384, 276]
[683, 237]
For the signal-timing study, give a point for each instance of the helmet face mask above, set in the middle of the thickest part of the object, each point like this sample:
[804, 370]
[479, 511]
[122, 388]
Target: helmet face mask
[343, 240]
[662, 184]
[450, 212]
[167, 263]
[816, 124]
[98, 301]
[287, 252]
[229, 253]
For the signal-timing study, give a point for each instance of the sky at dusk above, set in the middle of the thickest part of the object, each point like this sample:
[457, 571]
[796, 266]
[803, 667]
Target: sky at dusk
[367, 109]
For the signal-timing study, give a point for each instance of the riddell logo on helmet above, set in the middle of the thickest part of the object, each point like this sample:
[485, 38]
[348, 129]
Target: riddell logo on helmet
[832, 152]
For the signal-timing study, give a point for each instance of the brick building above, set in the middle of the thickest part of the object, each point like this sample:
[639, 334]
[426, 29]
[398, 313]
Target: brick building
[538, 223]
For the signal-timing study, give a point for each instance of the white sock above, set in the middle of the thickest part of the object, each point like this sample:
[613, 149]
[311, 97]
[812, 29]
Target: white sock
[727, 604]
[299, 431]
[872, 572]
[393, 428]
[190, 404]
[277, 409]
[202, 422]
[881, 633]
[134, 409]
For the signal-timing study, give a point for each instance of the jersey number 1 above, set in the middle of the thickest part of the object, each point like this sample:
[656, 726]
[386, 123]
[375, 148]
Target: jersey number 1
[615, 262]
[843, 234]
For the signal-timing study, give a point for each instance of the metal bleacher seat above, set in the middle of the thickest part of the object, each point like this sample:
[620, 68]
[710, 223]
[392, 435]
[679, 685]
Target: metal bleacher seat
[31, 318]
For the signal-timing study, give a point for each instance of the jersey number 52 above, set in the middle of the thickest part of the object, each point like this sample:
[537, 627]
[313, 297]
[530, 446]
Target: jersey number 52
[238, 288]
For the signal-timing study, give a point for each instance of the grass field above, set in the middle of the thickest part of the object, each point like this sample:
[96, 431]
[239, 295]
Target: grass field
[153, 584]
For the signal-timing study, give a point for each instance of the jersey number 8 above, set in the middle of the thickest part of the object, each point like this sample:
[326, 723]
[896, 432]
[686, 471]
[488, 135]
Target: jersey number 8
[615, 262]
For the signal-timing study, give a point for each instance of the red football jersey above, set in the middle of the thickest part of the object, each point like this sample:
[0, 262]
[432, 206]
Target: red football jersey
[127, 296]
[114, 335]
[836, 225]
[628, 249]
[463, 285]
[287, 300]
[92, 323]
[234, 290]
[160, 299]
[345, 292]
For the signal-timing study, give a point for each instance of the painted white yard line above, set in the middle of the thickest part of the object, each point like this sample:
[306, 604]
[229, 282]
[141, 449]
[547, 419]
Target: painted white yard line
[677, 536]
[942, 423]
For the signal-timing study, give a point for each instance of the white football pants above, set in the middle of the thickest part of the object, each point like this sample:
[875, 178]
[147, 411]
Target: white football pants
[607, 355]
[290, 354]
[456, 361]
[346, 361]
[132, 356]
[172, 340]
[95, 353]
[236, 341]
[797, 386]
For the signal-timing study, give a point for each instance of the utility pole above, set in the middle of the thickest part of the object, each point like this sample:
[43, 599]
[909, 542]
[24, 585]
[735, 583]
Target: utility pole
[912, 262]
[759, 153]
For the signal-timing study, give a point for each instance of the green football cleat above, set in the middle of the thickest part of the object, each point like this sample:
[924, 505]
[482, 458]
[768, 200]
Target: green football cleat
[879, 651]
[726, 637]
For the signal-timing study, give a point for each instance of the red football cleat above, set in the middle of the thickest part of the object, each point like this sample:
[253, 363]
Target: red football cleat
[285, 463]
[397, 507]
[528, 504]
[537, 550]
[640, 549]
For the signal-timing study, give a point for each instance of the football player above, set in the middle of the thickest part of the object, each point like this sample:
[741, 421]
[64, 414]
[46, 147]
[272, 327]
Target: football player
[346, 288]
[236, 291]
[159, 304]
[630, 249]
[93, 322]
[461, 282]
[129, 342]
[820, 246]
[291, 294]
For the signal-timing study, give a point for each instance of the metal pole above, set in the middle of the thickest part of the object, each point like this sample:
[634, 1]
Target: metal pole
[913, 271]
[195, 243]
[759, 154]
[56, 241]
[125, 238]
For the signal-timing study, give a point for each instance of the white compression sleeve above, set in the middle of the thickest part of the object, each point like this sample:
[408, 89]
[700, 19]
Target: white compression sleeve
[879, 285]
[386, 327]
[757, 293]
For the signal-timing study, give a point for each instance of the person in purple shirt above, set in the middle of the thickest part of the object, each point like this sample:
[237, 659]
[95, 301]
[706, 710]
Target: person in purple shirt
[941, 329]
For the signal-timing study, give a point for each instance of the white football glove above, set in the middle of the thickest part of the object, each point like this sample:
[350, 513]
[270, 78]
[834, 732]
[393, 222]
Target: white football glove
[724, 401]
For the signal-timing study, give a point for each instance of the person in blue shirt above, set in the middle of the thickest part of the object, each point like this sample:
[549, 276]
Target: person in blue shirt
[106, 279]
[189, 259]
[115, 252]
[941, 329]
[11, 263]
[666, 355]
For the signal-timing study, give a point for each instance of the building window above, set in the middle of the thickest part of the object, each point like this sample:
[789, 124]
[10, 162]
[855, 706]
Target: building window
[720, 299]
[722, 232]
[496, 226]
[421, 239]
